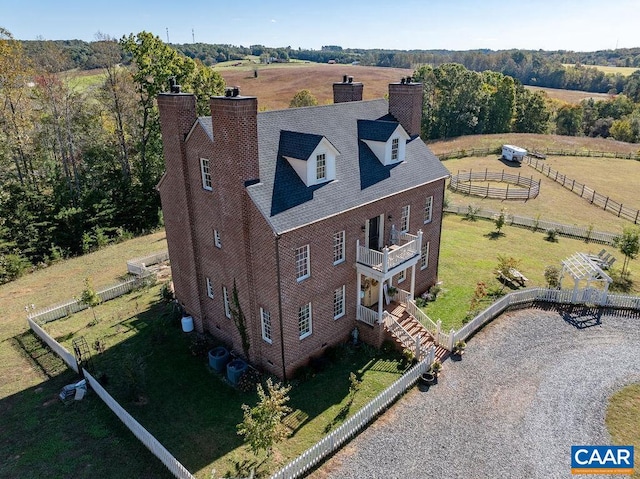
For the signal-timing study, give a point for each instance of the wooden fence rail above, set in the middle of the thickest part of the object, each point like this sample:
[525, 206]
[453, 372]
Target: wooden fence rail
[536, 224]
[589, 194]
[526, 188]
[497, 150]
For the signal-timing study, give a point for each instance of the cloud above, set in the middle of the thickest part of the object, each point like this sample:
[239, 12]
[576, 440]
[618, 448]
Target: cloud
[273, 21]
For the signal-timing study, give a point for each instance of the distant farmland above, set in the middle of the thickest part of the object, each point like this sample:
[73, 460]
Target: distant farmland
[624, 71]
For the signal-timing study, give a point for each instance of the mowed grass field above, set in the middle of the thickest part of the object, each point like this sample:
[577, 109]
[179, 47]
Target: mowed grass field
[616, 178]
[624, 71]
[569, 96]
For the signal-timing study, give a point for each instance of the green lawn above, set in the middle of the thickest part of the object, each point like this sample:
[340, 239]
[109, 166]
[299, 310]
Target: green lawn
[193, 411]
[468, 254]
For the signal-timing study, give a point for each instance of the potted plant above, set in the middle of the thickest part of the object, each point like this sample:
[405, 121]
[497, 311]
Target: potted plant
[431, 376]
[459, 347]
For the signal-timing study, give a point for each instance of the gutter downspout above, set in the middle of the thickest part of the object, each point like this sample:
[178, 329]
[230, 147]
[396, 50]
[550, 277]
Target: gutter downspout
[284, 369]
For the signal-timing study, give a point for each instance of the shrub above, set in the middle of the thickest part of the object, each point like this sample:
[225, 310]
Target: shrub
[388, 346]
[201, 344]
[249, 380]
[552, 276]
[551, 235]
[472, 213]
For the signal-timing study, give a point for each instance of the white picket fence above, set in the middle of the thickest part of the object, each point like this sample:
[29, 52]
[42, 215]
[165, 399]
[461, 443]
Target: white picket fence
[139, 266]
[571, 231]
[67, 308]
[587, 296]
[158, 450]
[55, 346]
[330, 443]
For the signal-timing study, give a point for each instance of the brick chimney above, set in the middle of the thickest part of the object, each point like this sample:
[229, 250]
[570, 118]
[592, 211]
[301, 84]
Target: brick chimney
[177, 117]
[235, 134]
[348, 90]
[405, 104]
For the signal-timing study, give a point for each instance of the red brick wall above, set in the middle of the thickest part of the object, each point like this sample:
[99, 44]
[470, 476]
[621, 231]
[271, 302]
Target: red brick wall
[344, 92]
[405, 104]
[177, 116]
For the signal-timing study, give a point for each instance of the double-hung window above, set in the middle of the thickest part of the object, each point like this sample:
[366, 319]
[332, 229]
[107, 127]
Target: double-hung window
[206, 174]
[428, 209]
[302, 262]
[227, 306]
[338, 302]
[424, 256]
[216, 239]
[404, 220]
[395, 145]
[338, 247]
[265, 321]
[209, 288]
[304, 321]
[321, 167]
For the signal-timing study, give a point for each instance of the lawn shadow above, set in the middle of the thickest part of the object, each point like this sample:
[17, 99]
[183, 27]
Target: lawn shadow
[494, 235]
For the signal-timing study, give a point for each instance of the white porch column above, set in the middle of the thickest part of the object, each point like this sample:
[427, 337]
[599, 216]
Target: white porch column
[412, 292]
[419, 242]
[575, 290]
[604, 297]
[358, 293]
[380, 301]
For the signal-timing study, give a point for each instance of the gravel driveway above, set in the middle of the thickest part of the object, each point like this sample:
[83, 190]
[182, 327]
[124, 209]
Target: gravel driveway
[530, 385]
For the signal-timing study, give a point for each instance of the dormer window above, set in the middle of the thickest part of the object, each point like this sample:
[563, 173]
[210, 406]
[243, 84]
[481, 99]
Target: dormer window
[387, 140]
[313, 157]
[321, 167]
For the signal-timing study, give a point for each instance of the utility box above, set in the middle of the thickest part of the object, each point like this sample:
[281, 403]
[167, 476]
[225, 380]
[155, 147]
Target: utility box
[513, 153]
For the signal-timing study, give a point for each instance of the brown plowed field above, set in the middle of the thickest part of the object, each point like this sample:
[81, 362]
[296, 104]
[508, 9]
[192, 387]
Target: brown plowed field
[276, 85]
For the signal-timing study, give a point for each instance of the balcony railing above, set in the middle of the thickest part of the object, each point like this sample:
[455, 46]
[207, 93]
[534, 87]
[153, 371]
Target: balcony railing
[391, 256]
[367, 315]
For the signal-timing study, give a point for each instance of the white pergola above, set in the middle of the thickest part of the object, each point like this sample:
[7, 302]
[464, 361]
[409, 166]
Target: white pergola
[585, 267]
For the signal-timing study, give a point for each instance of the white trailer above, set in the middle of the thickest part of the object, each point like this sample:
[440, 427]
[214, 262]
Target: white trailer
[513, 153]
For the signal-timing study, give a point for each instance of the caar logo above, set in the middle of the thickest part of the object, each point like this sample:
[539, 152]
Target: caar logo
[601, 459]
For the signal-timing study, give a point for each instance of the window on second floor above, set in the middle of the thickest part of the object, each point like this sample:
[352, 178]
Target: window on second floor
[404, 220]
[304, 321]
[206, 174]
[321, 167]
[216, 239]
[227, 306]
[302, 262]
[428, 209]
[338, 247]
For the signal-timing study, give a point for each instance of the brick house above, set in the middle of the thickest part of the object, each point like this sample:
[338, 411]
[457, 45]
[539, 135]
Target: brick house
[314, 213]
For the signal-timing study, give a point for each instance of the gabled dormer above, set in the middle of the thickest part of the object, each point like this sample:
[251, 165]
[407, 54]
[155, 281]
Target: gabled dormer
[386, 139]
[313, 157]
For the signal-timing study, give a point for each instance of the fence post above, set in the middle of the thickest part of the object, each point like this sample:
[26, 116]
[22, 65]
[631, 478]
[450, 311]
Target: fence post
[438, 329]
[418, 346]
[606, 203]
[582, 192]
[593, 196]
[487, 191]
[506, 196]
[620, 210]
[636, 220]
[452, 335]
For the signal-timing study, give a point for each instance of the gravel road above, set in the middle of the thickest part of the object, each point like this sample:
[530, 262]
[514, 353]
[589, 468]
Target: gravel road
[531, 384]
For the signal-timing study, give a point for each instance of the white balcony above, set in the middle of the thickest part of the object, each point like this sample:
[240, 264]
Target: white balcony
[395, 255]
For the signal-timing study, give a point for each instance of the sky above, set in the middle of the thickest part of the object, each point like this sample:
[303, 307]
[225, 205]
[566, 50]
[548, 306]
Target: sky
[578, 25]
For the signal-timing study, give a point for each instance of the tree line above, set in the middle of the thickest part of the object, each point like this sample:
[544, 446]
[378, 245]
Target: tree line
[458, 101]
[78, 166]
[551, 69]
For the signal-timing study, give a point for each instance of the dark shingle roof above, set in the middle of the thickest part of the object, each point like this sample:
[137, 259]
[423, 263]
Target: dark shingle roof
[378, 130]
[298, 145]
[287, 203]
